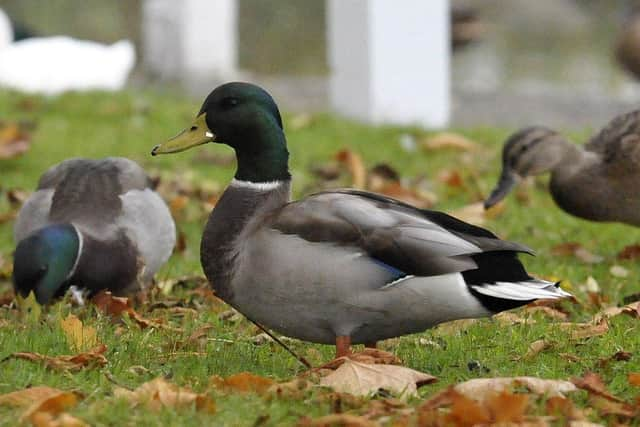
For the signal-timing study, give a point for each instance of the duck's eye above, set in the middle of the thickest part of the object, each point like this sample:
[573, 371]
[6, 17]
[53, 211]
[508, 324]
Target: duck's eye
[229, 102]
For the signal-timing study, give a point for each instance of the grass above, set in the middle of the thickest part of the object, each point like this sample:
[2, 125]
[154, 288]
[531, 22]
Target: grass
[130, 123]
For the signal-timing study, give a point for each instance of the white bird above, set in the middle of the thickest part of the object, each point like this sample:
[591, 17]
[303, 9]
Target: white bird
[53, 65]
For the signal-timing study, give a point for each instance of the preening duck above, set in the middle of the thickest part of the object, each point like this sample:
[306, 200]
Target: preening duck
[338, 267]
[92, 224]
[597, 182]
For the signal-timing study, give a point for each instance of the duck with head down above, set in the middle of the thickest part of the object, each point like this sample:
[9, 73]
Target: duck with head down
[338, 267]
[93, 225]
[597, 182]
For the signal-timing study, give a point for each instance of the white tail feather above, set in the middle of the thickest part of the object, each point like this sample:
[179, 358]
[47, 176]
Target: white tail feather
[522, 291]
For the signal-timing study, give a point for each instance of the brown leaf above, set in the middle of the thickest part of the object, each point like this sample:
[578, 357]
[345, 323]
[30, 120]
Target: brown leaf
[466, 412]
[370, 356]
[480, 388]
[632, 310]
[448, 140]
[333, 420]
[14, 140]
[395, 190]
[363, 379]
[94, 357]
[355, 166]
[455, 326]
[578, 251]
[634, 379]
[451, 178]
[159, 393]
[29, 395]
[79, 337]
[53, 404]
[536, 348]
[629, 253]
[585, 330]
[244, 382]
[547, 311]
[118, 306]
[592, 383]
[17, 197]
[476, 214]
[619, 356]
[606, 407]
[557, 405]
[46, 419]
[507, 407]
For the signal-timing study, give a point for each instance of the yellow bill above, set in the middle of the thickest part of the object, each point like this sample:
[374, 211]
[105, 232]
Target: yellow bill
[197, 134]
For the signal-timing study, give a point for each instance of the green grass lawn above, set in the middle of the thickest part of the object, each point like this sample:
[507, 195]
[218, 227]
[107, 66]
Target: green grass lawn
[130, 123]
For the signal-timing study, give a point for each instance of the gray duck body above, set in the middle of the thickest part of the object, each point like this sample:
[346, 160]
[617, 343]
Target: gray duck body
[126, 230]
[326, 283]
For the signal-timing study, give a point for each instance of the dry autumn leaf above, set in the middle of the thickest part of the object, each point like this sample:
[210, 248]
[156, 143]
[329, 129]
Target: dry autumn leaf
[632, 310]
[355, 166]
[14, 140]
[118, 306]
[480, 388]
[634, 379]
[29, 395]
[159, 393]
[592, 383]
[536, 348]
[244, 382]
[46, 419]
[94, 357]
[363, 379]
[586, 330]
[629, 253]
[79, 337]
[448, 140]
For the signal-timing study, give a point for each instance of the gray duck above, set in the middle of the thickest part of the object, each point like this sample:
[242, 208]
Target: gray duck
[338, 267]
[597, 182]
[92, 225]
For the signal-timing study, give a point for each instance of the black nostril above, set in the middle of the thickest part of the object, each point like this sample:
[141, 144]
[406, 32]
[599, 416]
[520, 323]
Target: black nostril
[194, 128]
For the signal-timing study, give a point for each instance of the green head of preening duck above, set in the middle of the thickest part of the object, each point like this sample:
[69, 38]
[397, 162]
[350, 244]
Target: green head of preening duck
[530, 151]
[44, 262]
[246, 118]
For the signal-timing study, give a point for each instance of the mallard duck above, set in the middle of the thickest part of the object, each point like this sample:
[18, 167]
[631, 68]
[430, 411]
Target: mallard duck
[93, 225]
[597, 183]
[338, 267]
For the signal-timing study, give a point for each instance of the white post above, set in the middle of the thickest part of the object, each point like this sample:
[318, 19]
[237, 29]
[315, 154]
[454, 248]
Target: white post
[389, 60]
[190, 38]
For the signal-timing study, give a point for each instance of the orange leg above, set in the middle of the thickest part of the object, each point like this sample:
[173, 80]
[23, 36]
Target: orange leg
[372, 344]
[343, 346]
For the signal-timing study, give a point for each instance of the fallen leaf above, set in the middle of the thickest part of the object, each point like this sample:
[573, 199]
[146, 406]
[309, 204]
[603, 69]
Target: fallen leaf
[448, 140]
[618, 271]
[29, 395]
[585, 330]
[244, 382]
[451, 178]
[480, 388]
[94, 357]
[507, 407]
[511, 318]
[619, 356]
[363, 379]
[578, 251]
[46, 419]
[547, 311]
[79, 337]
[343, 420]
[536, 348]
[118, 306]
[455, 326]
[159, 393]
[632, 310]
[14, 140]
[634, 379]
[53, 404]
[370, 356]
[557, 405]
[592, 383]
[629, 253]
[355, 166]
[607, 407]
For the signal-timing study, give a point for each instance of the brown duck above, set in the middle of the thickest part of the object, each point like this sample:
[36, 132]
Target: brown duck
[597, 182]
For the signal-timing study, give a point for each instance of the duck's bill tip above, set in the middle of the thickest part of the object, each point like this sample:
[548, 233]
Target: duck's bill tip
[508, 180]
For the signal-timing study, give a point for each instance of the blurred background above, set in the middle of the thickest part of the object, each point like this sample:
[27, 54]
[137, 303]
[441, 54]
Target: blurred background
[514, 62]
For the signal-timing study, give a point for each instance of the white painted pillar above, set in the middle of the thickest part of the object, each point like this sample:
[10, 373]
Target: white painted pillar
[190, 38]
[389, 60]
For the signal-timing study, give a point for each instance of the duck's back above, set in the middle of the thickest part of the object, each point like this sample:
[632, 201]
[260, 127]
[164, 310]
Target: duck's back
[103, 198]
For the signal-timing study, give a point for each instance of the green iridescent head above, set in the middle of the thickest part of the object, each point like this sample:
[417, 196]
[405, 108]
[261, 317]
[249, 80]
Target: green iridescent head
[45, 261]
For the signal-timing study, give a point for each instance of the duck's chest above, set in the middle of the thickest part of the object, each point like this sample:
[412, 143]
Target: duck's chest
[598, 198]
